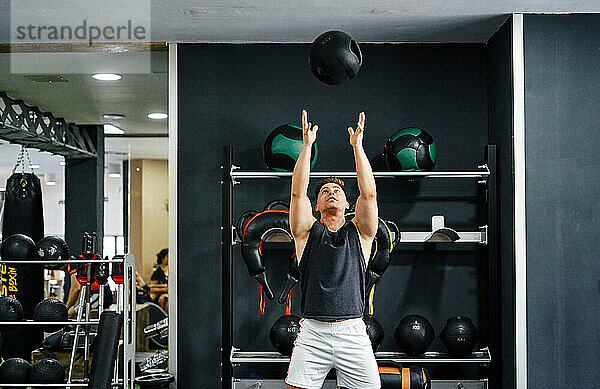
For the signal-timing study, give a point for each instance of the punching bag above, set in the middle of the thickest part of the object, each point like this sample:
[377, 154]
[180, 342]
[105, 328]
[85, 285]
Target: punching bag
[22, 214]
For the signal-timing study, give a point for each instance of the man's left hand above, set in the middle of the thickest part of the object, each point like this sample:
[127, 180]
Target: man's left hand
[356, 136]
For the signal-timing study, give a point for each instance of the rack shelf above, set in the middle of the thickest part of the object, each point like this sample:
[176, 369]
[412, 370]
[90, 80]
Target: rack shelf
[480, 356]
[482, 172]
[40, 262]
[64, 323]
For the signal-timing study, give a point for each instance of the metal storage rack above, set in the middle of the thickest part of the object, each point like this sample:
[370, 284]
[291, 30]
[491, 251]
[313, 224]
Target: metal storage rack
[126, 302]
[485, 175]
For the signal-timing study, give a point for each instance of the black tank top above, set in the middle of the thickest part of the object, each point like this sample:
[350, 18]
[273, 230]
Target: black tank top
[333, 274]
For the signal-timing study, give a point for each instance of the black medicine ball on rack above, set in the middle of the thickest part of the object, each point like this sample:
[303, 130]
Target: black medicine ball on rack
[282, 148]
[10, 309]
[459, 335]
[17, 247]
[284, 332]
[50, 309]
[410, 149]
[47, 371]
[414, 334]
[374, 330]
[15, 371]
[52, 248]
[335, 57]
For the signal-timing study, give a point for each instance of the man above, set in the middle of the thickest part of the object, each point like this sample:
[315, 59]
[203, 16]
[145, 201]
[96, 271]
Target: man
[333, 255]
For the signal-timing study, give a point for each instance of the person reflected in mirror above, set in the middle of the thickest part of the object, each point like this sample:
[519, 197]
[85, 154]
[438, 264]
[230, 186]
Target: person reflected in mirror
[159, 281]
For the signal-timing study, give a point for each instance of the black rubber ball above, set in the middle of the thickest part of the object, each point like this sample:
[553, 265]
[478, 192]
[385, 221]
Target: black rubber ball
[15, 371]
[47, 371]
[52, 248]
[284, 332]
[17, 247]
[10, 309]
[414, 334]
[459, 335]
[374, 330]
[335, 57]
[50, 309]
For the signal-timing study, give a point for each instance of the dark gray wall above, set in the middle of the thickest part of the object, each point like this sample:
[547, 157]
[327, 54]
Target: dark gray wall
[500, 133]
[236, 94]
[84, 194]
[562, 74]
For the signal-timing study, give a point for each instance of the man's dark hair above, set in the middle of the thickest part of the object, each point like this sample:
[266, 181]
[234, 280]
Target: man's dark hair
[328, 180]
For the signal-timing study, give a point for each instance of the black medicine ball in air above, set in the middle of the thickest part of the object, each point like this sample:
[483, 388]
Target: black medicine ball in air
[459, 335]
[15, 371]
[282, 148]
[50, 309]
[335, 57]
[52, 248]
[284, 332]
[10, 309]
[47, 371]
[17, 247]
[414, 334]
[374, 330]
[410, 149]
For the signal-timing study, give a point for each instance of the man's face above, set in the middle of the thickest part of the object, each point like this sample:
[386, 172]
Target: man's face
[331, 196]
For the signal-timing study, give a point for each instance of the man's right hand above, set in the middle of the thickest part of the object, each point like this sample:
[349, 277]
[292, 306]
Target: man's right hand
[309, 135]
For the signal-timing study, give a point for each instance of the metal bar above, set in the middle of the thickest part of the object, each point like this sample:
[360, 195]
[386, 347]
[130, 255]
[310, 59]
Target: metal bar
[64, 385]
[129, 331]
[32, 262]
[420, 237]
[481, 356]
[63, 323]
[76, 338]
[227, 267]
[448, 174]
[494, 307]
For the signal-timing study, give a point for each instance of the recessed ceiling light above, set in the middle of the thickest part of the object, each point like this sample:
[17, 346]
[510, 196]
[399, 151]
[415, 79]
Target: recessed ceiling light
[50, 179]
[106, 76]
[113, 116]
[157, 115]
[111, 129]
[34, 166]
[114, 170]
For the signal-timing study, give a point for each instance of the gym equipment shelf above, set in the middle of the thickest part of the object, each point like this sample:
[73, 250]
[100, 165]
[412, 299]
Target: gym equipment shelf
[126, 303]
[483, 173]
[481, 356]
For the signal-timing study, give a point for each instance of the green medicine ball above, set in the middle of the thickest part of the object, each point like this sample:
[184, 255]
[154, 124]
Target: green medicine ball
[410, 149]
[282, 148]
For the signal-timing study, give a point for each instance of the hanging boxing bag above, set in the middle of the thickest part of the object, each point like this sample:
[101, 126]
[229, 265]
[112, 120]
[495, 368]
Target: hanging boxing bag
[22, 214]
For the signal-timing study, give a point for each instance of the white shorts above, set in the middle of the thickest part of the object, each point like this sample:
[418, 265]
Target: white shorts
[344, 346]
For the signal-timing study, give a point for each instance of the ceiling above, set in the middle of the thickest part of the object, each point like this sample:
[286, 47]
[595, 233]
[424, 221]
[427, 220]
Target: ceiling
[144, 86]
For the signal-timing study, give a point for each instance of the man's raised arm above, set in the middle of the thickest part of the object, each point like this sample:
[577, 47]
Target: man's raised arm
[366, 204]
[301, 217]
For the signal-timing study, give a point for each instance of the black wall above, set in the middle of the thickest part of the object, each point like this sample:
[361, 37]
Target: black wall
[236, 94]
[84, 194]
[562, 74]
[500, 133]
